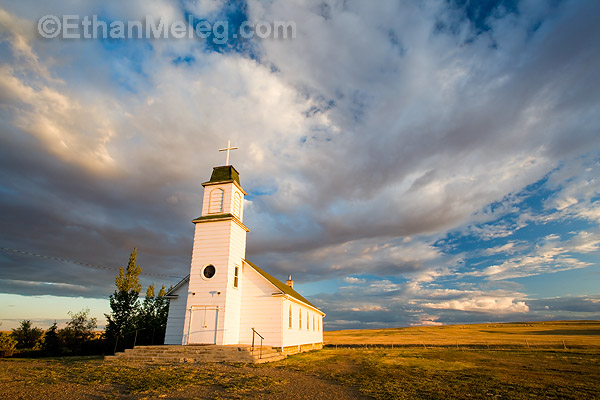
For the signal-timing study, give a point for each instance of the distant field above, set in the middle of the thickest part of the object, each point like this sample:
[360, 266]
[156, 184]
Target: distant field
[491, 361]
[555, 334]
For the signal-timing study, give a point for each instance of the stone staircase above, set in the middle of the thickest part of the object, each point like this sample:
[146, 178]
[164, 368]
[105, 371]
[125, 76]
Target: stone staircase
[197, 354]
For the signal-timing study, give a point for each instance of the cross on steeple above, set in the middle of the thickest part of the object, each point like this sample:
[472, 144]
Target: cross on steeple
[227, 150]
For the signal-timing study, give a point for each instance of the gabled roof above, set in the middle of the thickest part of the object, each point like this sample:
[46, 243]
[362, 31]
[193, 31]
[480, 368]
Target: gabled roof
[176, 287]
[281, 286]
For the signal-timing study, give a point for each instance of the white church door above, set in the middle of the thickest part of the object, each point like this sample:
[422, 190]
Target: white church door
[203, 325]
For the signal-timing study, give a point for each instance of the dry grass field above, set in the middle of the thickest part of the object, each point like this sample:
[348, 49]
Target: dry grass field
[508, 369]
[555, 334]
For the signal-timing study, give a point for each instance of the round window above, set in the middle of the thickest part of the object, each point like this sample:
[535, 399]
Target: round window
[209, 271]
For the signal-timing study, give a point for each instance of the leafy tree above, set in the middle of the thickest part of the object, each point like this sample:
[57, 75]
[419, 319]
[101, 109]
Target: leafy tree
[52, 344]
[79, 332]
[27, 337]
[152, 317]
[124, 303]
[162, 313]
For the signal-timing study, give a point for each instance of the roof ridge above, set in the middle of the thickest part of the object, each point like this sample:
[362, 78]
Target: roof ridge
[280, 285]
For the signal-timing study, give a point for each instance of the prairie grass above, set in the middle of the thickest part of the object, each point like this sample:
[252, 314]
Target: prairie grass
[131, 379]
[448, 373]
[555, 334]
[550, 360]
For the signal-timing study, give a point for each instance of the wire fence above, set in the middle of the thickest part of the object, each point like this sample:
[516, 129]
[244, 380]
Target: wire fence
[559, 345]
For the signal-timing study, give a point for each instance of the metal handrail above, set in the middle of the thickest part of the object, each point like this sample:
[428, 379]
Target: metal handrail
[261, 342]
[122, 335]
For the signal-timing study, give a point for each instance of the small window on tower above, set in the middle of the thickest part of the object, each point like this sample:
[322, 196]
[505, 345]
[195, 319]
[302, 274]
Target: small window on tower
[237, 205]
[236, 276]
[215, 204]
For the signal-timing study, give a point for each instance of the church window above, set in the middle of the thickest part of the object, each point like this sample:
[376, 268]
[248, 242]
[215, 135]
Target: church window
[290, 317]
[300, 319]
[313, 322]
[215, 204]
[236, 276]
[209, 271]
[307, 322]
[237, 205]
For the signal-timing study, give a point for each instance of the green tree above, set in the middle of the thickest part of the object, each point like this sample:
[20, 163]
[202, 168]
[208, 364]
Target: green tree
[52, 344]
[124, 303]
[26, 335]
[79, 332]
[152, 317]
[162, 313]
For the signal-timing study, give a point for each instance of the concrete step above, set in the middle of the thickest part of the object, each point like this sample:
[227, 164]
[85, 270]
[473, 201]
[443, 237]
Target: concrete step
[197, 354]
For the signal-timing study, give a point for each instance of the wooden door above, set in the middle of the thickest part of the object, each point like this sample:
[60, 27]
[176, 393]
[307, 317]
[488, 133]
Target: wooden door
[203, 325]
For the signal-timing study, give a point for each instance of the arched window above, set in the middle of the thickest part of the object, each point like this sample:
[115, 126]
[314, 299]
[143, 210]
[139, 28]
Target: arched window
[290, 318]
[307, 322]
[215, 204]
[300, 319]
[313, 322]
[237, 205]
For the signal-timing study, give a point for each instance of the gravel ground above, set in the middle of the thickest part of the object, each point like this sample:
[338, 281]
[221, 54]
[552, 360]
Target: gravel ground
[39, 379]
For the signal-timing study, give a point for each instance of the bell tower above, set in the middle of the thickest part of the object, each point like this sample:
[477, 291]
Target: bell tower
[215, 285]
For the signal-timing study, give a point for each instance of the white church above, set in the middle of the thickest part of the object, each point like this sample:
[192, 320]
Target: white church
[227, 300]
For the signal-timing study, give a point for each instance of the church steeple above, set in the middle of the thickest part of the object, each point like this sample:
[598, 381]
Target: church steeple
[214, 297]
[223, 194]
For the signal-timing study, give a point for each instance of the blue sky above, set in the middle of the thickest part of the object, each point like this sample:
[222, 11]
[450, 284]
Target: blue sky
[414, 163]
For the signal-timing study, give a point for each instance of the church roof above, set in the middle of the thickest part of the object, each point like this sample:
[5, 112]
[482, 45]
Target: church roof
[274, 281]
[280, 285]
[172, 290]
[225, 173]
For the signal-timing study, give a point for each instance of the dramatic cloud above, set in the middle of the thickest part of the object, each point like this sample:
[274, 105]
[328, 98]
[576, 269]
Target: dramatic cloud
[425, 163]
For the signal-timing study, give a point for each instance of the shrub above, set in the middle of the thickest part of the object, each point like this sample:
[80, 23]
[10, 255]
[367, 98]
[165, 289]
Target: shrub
[7, 344]
[78, 335]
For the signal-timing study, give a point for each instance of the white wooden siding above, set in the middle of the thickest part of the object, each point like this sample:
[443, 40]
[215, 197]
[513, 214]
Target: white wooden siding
[260, 310]
[298, 334]
[222, 244]
[176, 318]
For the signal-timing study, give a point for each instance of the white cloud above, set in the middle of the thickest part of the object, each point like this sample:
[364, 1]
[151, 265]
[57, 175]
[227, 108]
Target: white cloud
[427, 320]
[367, 308]
[551, 255]
[353, 280]
[482, 303]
